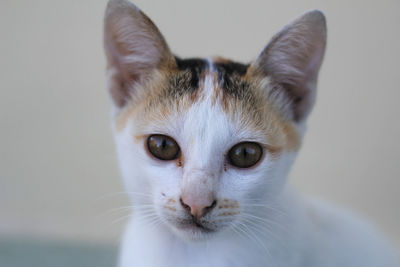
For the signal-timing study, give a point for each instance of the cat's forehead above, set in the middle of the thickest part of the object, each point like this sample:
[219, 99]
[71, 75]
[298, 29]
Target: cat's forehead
[208, 89]
[216, 82]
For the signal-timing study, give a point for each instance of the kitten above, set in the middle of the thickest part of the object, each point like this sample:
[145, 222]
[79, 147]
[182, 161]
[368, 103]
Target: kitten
[205, 147]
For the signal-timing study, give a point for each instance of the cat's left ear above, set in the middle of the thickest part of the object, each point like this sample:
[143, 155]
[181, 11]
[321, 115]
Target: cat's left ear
[134, 48]
[292, 60]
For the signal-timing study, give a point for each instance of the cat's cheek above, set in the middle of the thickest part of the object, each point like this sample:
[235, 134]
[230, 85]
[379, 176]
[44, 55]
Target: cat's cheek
[166, 192]
[241, 180]
[262, 182]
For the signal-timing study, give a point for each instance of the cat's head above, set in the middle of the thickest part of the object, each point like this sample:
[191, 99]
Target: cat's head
[205, 144]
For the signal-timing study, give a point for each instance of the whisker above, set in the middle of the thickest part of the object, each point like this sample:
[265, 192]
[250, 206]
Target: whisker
[139, 193]
[141, 212]
[107, 195]
[267, 232]
[241, 235]
[121, 218]
[126, 193]
[261, 209]
[128, 208]
[262, 229]
[263, 220]
[258, 240]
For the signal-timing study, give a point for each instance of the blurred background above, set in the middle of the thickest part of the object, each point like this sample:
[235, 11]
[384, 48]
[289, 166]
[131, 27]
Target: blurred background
[60, 188]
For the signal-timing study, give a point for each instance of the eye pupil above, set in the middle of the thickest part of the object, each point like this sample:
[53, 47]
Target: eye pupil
[163, 147]
[245, 154]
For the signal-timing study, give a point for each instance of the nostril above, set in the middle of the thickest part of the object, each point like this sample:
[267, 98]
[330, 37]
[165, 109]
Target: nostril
[185, 206]
[213, 204]
[209, 208]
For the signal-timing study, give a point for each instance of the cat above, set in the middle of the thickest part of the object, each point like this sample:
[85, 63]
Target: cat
[205, 147]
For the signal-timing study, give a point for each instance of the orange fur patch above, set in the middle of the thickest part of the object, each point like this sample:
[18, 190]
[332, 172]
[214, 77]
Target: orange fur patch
[170, 208]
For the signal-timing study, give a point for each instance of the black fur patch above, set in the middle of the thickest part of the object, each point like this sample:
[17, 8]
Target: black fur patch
[196, 66]
[229, 75]
[236, 87]
[192, 70]
[231, 67]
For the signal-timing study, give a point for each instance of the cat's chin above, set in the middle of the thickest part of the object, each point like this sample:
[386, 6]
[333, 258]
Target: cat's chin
[193, 232]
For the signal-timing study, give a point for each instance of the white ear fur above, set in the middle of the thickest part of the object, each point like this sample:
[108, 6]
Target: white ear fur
[292, 60]
[134, 48]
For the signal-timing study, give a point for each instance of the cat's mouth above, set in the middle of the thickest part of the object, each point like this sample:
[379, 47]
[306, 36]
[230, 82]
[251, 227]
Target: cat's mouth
[195, 226]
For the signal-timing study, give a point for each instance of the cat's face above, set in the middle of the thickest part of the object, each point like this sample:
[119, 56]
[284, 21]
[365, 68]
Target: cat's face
[206, 145]
[199, 166]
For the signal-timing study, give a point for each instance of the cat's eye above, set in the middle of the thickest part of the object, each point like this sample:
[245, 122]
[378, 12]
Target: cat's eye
[245, 154]
[163, 147]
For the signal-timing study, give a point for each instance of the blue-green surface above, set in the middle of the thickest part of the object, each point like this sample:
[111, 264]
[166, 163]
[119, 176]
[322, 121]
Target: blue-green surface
[29, 253]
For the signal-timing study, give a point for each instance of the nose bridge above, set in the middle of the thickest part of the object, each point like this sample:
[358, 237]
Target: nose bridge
[202, 167]
[200, 158]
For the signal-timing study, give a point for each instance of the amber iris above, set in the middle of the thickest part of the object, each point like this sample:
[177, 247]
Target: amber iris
[163, 147]
[245, 154]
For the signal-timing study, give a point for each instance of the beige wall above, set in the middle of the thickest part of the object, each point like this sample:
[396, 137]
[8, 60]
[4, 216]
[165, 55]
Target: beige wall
[58, 167]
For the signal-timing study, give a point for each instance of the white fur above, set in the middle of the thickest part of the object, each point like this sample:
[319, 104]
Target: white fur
[289, 231]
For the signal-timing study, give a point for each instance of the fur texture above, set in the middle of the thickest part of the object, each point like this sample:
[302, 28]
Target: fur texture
[253, 217]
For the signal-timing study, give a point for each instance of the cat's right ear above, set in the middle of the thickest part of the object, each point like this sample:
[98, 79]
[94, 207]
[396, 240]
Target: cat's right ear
[134, 48]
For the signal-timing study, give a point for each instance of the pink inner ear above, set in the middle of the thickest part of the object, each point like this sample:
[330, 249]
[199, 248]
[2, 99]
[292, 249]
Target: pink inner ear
[134, 48]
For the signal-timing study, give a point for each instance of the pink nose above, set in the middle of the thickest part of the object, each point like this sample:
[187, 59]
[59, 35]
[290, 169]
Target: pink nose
[198, 211]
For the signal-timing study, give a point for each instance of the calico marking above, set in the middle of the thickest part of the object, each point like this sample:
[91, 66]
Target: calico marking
[196, 68]
[192, 71]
